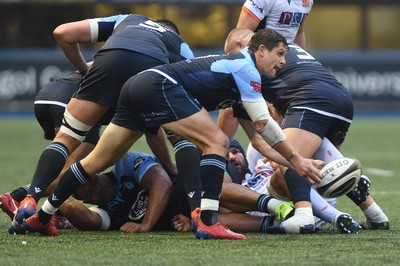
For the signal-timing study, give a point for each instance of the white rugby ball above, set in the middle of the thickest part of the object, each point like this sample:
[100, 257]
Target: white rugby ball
[339, 177]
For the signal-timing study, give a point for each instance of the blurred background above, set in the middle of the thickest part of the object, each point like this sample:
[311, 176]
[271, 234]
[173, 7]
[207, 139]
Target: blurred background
[358, 40]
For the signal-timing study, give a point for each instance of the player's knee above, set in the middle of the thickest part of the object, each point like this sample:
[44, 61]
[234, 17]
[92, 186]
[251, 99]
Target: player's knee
[222, 141]
[73, 127]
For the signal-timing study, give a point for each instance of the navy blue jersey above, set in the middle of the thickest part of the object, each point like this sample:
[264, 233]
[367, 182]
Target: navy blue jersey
[218, 81]
[140, 34]
[305, 83]
[131, 200]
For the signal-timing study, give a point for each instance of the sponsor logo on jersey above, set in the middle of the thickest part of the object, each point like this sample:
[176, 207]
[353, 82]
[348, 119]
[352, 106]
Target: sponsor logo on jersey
[138, 162]
[139, 208]
[292, 18]
[256, 86]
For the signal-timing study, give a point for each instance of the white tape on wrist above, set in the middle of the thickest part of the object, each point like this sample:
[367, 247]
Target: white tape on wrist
[272, 133]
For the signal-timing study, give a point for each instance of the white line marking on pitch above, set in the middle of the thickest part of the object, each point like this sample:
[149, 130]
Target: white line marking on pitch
[377, 171]
[390, 193]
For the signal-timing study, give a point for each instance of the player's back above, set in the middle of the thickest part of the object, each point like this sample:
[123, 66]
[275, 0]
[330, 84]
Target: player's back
[140, 34]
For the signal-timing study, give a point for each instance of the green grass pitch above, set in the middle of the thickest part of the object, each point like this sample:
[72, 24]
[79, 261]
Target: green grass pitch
[374, 142]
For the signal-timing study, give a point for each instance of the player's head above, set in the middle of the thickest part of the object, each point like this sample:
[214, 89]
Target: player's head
[98, 189]
[237, 156]
[237, 40]
[269, 49]
[169, 24]
[268, 38]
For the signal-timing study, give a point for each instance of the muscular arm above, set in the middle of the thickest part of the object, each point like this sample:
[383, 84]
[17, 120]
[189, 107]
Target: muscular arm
[157, 182]
[158, 146]
[68, 36]
[227, 122]
[261, 145]
[300, 38]
[247, 21]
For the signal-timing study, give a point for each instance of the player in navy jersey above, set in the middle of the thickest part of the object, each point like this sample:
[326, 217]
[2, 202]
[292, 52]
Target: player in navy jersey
[133, 43]
[315, 107]
[177, 97]
[139, 196]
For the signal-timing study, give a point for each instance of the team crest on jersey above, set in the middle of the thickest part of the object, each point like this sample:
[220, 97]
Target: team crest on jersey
[256, 86]
[225, 104]
[306, 2]
[139, 208]
[137, 163]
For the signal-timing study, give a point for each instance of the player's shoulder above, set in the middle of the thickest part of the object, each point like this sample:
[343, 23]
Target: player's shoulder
[260, 6]
[114, 18]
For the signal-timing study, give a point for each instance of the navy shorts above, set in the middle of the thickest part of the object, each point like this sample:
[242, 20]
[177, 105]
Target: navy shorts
[324, 126]
[50, 116]
[110, 70]
[149, 100]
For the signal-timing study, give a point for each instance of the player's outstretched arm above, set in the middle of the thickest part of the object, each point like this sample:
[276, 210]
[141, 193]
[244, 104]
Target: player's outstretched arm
[157, 182]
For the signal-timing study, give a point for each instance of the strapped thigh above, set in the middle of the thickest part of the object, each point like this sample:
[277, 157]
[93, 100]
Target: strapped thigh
[73, 127]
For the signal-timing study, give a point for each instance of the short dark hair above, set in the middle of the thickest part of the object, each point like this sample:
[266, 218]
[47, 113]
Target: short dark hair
[169, 24]
[269, 38]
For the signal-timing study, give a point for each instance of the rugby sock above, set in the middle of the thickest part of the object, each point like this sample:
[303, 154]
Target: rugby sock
[298, 187]
[266, 222]
[375, 214]
[50, 164]
[20, 193]
[187, 159]
[69, 182]
[212, 169]
[321, 208]
[268, 204]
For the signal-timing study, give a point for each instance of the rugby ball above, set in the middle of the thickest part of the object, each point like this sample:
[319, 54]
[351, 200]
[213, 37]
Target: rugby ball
[339, 177]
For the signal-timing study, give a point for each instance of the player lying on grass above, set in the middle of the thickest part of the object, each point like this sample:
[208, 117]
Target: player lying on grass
[132, 198]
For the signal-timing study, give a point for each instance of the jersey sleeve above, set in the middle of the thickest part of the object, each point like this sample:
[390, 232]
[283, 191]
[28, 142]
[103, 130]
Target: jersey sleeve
[258, 9]
[247, 78]
[102, 28]
[186, 52]
[134, 165]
